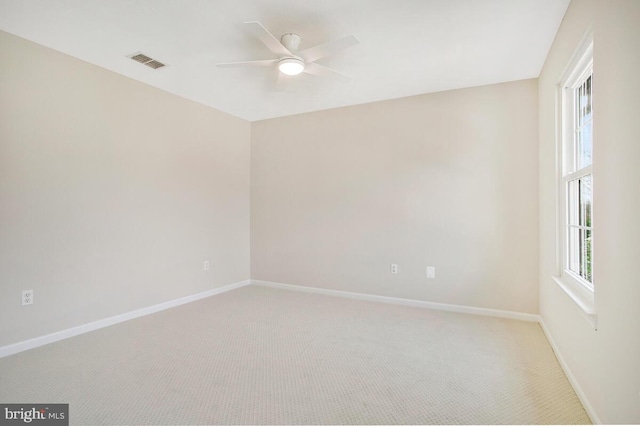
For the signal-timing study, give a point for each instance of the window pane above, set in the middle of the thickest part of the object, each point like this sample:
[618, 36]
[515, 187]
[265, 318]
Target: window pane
[578, 105]
[586, 254]
[585, 101]
[579, 244]
[585, 142]
[580, 252]
[573, 254]
[573, 202]
[585, 200]
[579, 201]
[584, 127]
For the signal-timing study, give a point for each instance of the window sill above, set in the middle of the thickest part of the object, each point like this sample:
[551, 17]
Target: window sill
[582, 297]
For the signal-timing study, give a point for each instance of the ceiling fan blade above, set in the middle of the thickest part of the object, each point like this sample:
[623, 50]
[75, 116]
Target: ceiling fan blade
[265, 63]
[322, 71]
[326, 49]
[272, 43]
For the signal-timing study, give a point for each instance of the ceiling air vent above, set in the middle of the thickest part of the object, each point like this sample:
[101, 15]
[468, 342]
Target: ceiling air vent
[145, 60]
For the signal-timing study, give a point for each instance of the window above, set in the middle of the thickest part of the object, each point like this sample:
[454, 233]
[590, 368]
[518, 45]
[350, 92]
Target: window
[575, 182]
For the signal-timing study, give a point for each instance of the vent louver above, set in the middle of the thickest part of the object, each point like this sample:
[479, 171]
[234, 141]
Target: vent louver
[154, 64]
[145, 60]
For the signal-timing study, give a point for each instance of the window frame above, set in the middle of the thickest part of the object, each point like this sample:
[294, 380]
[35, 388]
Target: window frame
[580, 67]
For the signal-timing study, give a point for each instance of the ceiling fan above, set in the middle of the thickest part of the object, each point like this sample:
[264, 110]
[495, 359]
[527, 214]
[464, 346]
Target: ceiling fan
[289, 60]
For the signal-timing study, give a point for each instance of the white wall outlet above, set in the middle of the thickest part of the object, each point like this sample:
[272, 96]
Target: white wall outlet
[27, 297]
[431, 271]
[394, 268]
[206, 265]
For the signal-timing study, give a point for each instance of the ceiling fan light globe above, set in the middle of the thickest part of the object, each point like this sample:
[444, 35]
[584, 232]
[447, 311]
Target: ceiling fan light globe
[291, 66]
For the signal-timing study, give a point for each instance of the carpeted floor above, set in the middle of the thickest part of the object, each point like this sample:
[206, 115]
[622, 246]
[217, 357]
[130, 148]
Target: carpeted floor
[260, 355]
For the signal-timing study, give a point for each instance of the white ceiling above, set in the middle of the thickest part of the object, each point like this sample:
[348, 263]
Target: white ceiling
[407, 47]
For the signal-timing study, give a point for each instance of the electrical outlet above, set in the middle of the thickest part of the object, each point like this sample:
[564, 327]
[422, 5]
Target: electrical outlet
[394, 268]
[27, 297]
[431, 272]
[206, 265]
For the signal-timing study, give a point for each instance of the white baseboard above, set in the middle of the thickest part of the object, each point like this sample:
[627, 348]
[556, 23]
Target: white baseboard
[405, 302]
[572, 379]
[85, 328]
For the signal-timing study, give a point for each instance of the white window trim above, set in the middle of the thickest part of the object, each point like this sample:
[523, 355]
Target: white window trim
[571, 284]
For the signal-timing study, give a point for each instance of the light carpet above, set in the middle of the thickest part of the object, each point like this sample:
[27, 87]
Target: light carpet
[260, 355]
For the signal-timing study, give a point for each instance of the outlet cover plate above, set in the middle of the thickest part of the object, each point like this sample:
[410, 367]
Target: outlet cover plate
[431, 272]
[27, 297]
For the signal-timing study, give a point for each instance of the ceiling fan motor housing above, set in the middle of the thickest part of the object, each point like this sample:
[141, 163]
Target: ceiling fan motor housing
[291, 41]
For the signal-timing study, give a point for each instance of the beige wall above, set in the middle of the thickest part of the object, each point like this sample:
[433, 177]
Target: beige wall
[112, 193]
[447, 180]
[604, 362]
